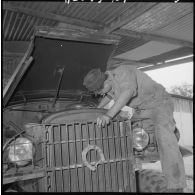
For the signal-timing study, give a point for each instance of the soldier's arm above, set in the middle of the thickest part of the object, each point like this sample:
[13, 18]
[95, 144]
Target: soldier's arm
[128, 89]
[120, 103]
[104, 101]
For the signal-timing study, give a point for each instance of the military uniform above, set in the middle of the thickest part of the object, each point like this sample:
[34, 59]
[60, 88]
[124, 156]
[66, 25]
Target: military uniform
[150, 100]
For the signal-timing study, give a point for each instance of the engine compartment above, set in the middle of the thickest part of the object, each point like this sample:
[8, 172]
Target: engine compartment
[15, 117]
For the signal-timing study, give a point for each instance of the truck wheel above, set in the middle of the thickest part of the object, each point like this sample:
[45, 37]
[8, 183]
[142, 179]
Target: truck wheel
[151, 181]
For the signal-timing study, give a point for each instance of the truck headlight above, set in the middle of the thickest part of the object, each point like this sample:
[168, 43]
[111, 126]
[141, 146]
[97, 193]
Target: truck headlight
[21, 151]
[140, 139]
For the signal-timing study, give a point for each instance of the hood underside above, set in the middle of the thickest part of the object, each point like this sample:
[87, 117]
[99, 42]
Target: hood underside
[52, 56]
[61, 62]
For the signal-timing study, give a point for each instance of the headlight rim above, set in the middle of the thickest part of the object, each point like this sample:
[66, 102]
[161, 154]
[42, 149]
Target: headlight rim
[147, 142]
[28, 161]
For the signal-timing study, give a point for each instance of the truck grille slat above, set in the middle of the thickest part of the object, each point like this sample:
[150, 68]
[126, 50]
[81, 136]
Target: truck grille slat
[120, 154]
[65, 169]
[44, 151]
[115, 156]
[77, 176]
[109, 164]
[69, 170]
[103, 167]
[53, 162]
[126, 154]
[61, 159]
[89, 142]
[83, 170]
[96, 158]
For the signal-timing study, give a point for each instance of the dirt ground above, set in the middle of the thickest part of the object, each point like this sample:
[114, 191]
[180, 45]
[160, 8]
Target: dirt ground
[188, 163]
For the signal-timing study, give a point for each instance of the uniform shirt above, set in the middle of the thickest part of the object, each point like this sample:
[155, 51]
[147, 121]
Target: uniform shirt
[146, 93]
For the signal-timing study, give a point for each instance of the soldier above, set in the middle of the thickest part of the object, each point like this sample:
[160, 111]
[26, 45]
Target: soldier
[129, 86]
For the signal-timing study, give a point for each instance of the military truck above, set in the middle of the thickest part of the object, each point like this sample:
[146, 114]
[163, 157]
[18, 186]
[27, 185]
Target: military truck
[51, 142]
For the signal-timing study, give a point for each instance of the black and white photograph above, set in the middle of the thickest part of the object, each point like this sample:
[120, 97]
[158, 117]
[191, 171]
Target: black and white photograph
[97, 96]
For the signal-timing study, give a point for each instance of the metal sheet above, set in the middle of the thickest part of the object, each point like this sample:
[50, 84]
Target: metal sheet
[150, 49]
[159, 16]
[181, 29]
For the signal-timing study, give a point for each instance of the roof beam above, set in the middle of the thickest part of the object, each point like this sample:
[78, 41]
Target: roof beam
[115, 62]
[51, 16]
[152, 37]
[136, 10]
[170, 55]
[163, 65]
[76, 27]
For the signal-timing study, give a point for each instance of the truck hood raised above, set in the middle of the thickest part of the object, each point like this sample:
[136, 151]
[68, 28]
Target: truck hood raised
[59, 59]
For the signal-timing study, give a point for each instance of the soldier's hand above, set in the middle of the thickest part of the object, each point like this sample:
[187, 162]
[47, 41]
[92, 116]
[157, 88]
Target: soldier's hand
[103, 120]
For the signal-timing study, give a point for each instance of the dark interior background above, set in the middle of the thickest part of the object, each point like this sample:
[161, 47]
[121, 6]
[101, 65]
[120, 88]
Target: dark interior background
[78, 58]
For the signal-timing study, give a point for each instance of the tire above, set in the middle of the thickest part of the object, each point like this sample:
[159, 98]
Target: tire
[151, 181]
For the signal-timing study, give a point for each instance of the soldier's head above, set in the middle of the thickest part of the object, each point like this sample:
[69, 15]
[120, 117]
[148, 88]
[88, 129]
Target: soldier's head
[94, 81]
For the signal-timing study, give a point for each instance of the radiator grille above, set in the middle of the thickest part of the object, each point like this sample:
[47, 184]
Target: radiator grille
[65, 169]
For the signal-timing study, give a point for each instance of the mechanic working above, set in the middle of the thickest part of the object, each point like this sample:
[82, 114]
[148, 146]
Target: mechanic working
[129, 86]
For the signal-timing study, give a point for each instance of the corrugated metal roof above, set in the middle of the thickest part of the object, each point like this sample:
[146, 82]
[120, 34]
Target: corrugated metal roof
[174, 20]
[101, 14]
[148, 50]
[18, 26]
[88, 11]
[127, 44]
[180, 29]
[93, 12]
[164, 16]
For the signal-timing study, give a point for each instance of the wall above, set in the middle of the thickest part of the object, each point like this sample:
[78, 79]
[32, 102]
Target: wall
[9, 65]
[183, 114]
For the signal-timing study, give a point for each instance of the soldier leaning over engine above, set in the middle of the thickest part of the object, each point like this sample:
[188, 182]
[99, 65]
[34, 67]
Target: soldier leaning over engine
[129, 86]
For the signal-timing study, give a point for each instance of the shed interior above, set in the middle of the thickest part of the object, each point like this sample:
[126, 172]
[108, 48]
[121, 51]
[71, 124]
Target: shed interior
[152, 34]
